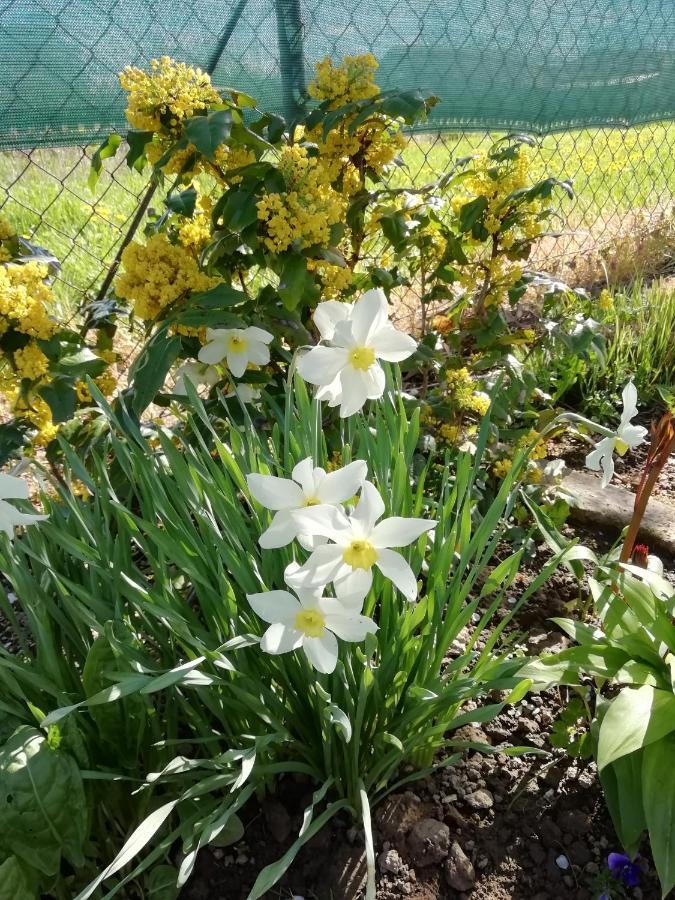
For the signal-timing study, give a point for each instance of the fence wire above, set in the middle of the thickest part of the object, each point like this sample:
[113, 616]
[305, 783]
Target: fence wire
[623, 181]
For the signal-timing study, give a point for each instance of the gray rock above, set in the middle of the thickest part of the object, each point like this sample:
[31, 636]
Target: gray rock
[428, 842]
[613, 506]
[391, 862]
[459, 870]
[480, 800]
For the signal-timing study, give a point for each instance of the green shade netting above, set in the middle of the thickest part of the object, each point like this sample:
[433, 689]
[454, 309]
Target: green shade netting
[535, 65]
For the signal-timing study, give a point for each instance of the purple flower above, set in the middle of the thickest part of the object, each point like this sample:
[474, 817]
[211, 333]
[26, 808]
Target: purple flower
[621, 866]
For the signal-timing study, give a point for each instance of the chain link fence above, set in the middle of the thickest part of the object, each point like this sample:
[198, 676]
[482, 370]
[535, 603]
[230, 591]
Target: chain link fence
[623, 181]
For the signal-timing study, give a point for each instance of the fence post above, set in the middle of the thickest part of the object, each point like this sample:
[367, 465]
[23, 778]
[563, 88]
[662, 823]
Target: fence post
[291, 55]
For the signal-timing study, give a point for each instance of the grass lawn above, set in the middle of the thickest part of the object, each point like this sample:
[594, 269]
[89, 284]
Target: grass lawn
[48, 198]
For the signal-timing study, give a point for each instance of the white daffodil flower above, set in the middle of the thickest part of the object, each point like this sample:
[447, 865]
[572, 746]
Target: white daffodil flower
[197, 374]
[358, 545]
[309, 621]
[13, 488]
[625, 438]
[308, 486]
[247, 393]
[239, 346]
[348, 371]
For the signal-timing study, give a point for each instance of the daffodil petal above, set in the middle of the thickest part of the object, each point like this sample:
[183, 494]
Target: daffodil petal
[280, 638]
[354, 391]
[322, 652]
[396, 569]
[321, 567]
[369, 314]
[13, 488]
[399, 532]
[281, 531]
[342, 484]
[274, 493]
[237, 362]
[391, 344]
[274, 606]
[369, 508]
[322, 364]
[213, 353]
[328, 314]
[354, 583]
[259, 335]
[349, 627]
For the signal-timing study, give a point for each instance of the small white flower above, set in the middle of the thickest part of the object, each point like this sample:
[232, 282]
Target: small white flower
[12, 488]
[239, 346]
[197, 374]
[348, 372]
[309, 487]
[247, 393]
[310, 621]
[358, 545]
[625, 438]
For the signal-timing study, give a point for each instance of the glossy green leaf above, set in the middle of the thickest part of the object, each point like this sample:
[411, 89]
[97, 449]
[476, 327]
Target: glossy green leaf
[658, 786]
[635, 719]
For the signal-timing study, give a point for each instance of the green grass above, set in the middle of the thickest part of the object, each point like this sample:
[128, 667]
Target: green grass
[48, 199]
[640, 346]
[612, 170]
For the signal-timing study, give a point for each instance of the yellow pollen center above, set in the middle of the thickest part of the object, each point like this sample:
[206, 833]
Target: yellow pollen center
[312, 501]
[362, 357]
[310, 622]
[360, 555]
[236, 344]
[621, 446]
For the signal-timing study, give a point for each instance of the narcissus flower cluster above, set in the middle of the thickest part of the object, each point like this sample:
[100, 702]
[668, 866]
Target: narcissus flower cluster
[346, 546]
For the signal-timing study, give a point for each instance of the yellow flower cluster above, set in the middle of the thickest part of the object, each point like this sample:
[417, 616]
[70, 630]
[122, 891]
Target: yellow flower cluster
[30, 362]
[6, 232]
[461, 391]
[25, 298]
[502, 467]
[351, 80]
[605, 301]
[539, 451]
[161, 99]
[491, 274]
[308, 208]
[157, 274]
[195, 233]
[334, 279]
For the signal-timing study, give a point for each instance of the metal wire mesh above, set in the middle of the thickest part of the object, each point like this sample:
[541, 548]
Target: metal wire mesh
[623, 182]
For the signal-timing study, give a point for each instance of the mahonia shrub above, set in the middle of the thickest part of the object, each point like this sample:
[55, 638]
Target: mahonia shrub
[44, 364]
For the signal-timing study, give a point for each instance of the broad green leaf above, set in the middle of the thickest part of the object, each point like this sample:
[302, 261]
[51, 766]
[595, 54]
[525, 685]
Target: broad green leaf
[162, 883]
[60, 396]
[296, 285]
[622, 786]
[635, 719]
[137, 141]
[15, 883]
[471, 213]
[184, 202]
[207, 133]
[151, 368]
[43, 810]
[107, 149]
[84, 362]
[658, 788]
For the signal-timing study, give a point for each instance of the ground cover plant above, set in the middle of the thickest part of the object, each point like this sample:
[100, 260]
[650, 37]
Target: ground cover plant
[291, 544]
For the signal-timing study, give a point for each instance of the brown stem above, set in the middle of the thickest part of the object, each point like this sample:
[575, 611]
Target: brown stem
[662, 445]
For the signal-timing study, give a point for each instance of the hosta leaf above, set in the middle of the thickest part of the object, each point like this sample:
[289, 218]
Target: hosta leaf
[43, 812]
[658, 789]
[636, 718]
[15, 882]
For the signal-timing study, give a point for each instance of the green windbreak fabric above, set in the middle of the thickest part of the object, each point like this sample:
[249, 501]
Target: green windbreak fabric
[535, 65]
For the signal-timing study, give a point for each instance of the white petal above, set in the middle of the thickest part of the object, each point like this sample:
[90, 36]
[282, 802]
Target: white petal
[274, 606]
[399, 532]
[13, 488]
[392, 345]
[280, 638]
[237, 362]
[396, 569]
[258, 354]
[349, 627]
[354, 391]
[351, 601]
[303, 473]
[633, 435]
[326, 520]
[342, 484]
[374, 381]
[327, 314]
[601, 458]
[369, 508]
[281, 531]
[274, 493]
[213, 353]
[369, 315]
[311, 541]
[322, 652]
[322, 566]
[331, 392]
[252, 333]
[354, 584]
[629, 397]
[322, 364]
